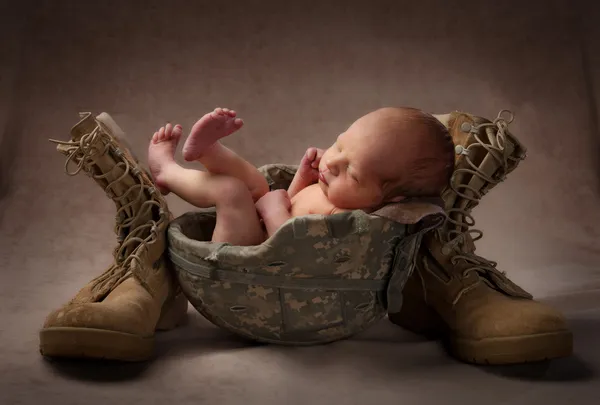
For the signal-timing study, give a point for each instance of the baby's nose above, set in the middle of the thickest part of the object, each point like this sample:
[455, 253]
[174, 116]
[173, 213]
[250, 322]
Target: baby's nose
[332, 167]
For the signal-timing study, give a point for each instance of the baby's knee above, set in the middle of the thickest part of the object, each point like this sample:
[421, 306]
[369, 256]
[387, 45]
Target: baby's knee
[233, 192]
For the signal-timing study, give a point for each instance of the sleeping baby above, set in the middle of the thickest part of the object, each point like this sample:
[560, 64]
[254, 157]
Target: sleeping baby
[385, 156]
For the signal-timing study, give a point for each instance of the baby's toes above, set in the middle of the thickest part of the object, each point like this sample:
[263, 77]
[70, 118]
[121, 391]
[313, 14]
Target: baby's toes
[177, 131]
[155, 137]
[161, 133]
[168, 130]
[229, 112]
[218, 119]
[219, 115]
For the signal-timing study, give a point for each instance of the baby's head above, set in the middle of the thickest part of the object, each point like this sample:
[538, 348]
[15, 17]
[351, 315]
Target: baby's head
[386, 156]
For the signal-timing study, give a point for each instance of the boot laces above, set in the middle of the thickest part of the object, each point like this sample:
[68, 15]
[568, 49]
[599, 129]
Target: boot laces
[459, 220]
[131, 242]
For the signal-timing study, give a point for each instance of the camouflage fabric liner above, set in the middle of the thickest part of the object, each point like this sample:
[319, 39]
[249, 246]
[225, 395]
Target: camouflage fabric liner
[317, 279]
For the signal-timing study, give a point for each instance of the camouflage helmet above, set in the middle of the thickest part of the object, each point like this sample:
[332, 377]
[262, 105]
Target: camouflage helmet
[317, 279]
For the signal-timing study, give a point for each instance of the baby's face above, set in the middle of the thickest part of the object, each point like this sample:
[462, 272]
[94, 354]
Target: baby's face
[351, 169]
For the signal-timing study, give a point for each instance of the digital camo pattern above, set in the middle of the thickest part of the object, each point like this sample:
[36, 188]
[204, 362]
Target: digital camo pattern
[317, 279]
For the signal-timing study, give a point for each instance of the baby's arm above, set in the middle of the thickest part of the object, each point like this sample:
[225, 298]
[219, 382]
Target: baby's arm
[308, 171]
[274, 209]
[274, 219]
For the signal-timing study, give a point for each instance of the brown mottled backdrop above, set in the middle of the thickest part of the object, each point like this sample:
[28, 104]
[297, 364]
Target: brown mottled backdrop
[298, 73]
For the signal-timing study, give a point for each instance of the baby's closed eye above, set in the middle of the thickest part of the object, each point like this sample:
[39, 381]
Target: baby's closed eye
[352, 175]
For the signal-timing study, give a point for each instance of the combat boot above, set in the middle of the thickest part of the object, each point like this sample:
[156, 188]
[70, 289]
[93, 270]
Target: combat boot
[460, 297]
[116, 314]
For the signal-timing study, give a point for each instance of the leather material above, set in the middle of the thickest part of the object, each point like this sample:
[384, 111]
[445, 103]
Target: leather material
[460, 297]
[116, 314]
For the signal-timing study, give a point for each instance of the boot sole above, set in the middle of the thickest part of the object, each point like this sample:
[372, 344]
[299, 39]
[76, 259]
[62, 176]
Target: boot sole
[513, 350]
[77, 343]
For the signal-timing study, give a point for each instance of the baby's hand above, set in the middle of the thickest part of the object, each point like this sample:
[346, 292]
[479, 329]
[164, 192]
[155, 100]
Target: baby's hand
[273, 201]
[309, 166]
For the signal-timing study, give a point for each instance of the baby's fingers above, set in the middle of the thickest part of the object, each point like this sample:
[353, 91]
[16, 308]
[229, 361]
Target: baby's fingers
[317, 159]
[311, 154]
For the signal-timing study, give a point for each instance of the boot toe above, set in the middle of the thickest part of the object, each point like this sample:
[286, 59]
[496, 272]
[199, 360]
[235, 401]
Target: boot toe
[98, 316]
[510, 331]
[515, 317]
[95, 331]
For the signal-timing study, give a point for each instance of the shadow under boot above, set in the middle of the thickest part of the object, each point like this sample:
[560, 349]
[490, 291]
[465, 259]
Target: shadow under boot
[461, 298]
[116, 314]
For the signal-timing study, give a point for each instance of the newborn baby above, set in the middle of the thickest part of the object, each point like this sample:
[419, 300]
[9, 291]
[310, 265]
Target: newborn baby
[385, 156]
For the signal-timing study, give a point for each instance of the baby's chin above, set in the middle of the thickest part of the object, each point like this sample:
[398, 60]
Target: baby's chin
[324, 187]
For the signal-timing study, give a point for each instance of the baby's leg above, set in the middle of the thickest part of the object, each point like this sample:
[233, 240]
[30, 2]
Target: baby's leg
[203, 145]
[237, 219]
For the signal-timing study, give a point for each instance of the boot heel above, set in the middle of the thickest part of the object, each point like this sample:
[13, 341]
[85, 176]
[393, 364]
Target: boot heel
[174, 313]
[416, 315]
[418, 318]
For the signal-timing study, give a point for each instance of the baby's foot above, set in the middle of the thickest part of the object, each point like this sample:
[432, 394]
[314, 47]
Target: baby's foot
[160, 153]
[208, 130]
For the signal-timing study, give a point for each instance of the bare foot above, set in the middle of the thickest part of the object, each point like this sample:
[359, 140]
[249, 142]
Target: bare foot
[160, 153]
[208, 130]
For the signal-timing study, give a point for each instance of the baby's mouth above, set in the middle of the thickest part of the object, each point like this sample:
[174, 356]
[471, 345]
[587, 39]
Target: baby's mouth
[323, 179]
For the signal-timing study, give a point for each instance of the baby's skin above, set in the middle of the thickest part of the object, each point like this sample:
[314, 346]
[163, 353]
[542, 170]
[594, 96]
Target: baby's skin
[346, 176]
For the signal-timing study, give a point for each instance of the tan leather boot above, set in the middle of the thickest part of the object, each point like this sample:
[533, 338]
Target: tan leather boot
[462, 298]
[115, 315]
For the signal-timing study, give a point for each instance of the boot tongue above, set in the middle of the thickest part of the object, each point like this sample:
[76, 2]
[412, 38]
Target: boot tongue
[463, 245]
[485, 269]
[498, 281]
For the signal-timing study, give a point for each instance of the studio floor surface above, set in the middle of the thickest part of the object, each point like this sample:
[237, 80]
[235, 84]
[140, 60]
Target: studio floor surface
[298, 73]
